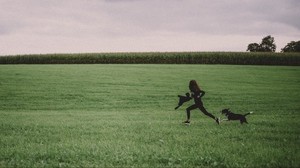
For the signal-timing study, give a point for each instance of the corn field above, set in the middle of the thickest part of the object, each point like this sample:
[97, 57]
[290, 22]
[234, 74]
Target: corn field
[239, 58]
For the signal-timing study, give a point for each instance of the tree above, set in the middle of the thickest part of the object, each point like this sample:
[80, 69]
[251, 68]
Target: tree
[292, 47]
[253, 47]
[267, 45]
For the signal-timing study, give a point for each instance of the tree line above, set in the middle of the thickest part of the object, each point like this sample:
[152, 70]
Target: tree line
[268, 45]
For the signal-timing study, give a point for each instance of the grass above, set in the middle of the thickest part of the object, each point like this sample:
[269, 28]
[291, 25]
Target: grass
[123, 116]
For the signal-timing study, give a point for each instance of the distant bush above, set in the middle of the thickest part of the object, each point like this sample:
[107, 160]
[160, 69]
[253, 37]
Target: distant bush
[239, 58]
[293, 46]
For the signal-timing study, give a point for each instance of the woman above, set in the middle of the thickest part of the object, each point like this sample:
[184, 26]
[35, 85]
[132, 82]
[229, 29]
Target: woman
[197, 94]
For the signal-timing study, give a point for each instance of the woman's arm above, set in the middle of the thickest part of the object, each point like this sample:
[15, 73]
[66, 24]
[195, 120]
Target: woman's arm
[202, 93]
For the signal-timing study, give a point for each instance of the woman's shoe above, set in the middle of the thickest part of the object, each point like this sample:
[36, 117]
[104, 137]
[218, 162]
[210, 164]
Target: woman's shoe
[187, 122]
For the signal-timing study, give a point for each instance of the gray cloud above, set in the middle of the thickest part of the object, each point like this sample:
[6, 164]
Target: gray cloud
[149, 25]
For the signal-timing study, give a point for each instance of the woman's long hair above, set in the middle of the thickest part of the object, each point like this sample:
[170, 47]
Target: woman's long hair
[194, 87]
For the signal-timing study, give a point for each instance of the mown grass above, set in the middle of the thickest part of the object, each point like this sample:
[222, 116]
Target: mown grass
[123, 116]
[236, 58]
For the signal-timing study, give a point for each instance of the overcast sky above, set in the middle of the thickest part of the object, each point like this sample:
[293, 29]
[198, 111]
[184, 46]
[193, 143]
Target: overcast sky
[83, 26]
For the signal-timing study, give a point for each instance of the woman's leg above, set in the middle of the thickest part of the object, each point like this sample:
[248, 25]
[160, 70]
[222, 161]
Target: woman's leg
[206, 112]
[188, 111]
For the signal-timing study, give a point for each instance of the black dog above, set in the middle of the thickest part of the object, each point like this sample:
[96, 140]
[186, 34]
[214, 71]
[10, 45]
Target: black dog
[183, 99]
[231, 116]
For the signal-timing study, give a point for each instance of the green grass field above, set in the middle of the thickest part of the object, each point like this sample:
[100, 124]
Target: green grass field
[123, 116]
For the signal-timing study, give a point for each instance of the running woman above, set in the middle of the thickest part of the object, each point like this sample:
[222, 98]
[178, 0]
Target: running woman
[197, 94]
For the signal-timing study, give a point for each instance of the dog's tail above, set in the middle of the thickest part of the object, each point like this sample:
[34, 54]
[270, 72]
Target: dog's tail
[248, 113]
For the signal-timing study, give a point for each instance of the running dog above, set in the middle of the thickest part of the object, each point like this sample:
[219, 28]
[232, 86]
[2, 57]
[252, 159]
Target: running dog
[183, 99]
[231, 116]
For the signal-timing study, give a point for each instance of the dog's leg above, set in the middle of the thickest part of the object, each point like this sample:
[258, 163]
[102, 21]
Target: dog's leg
[243, 121]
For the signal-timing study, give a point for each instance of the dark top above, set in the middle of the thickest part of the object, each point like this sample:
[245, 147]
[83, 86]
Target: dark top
[197, 97]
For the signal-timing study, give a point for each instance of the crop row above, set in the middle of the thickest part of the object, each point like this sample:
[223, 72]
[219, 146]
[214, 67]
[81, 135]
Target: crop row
[239, 58]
